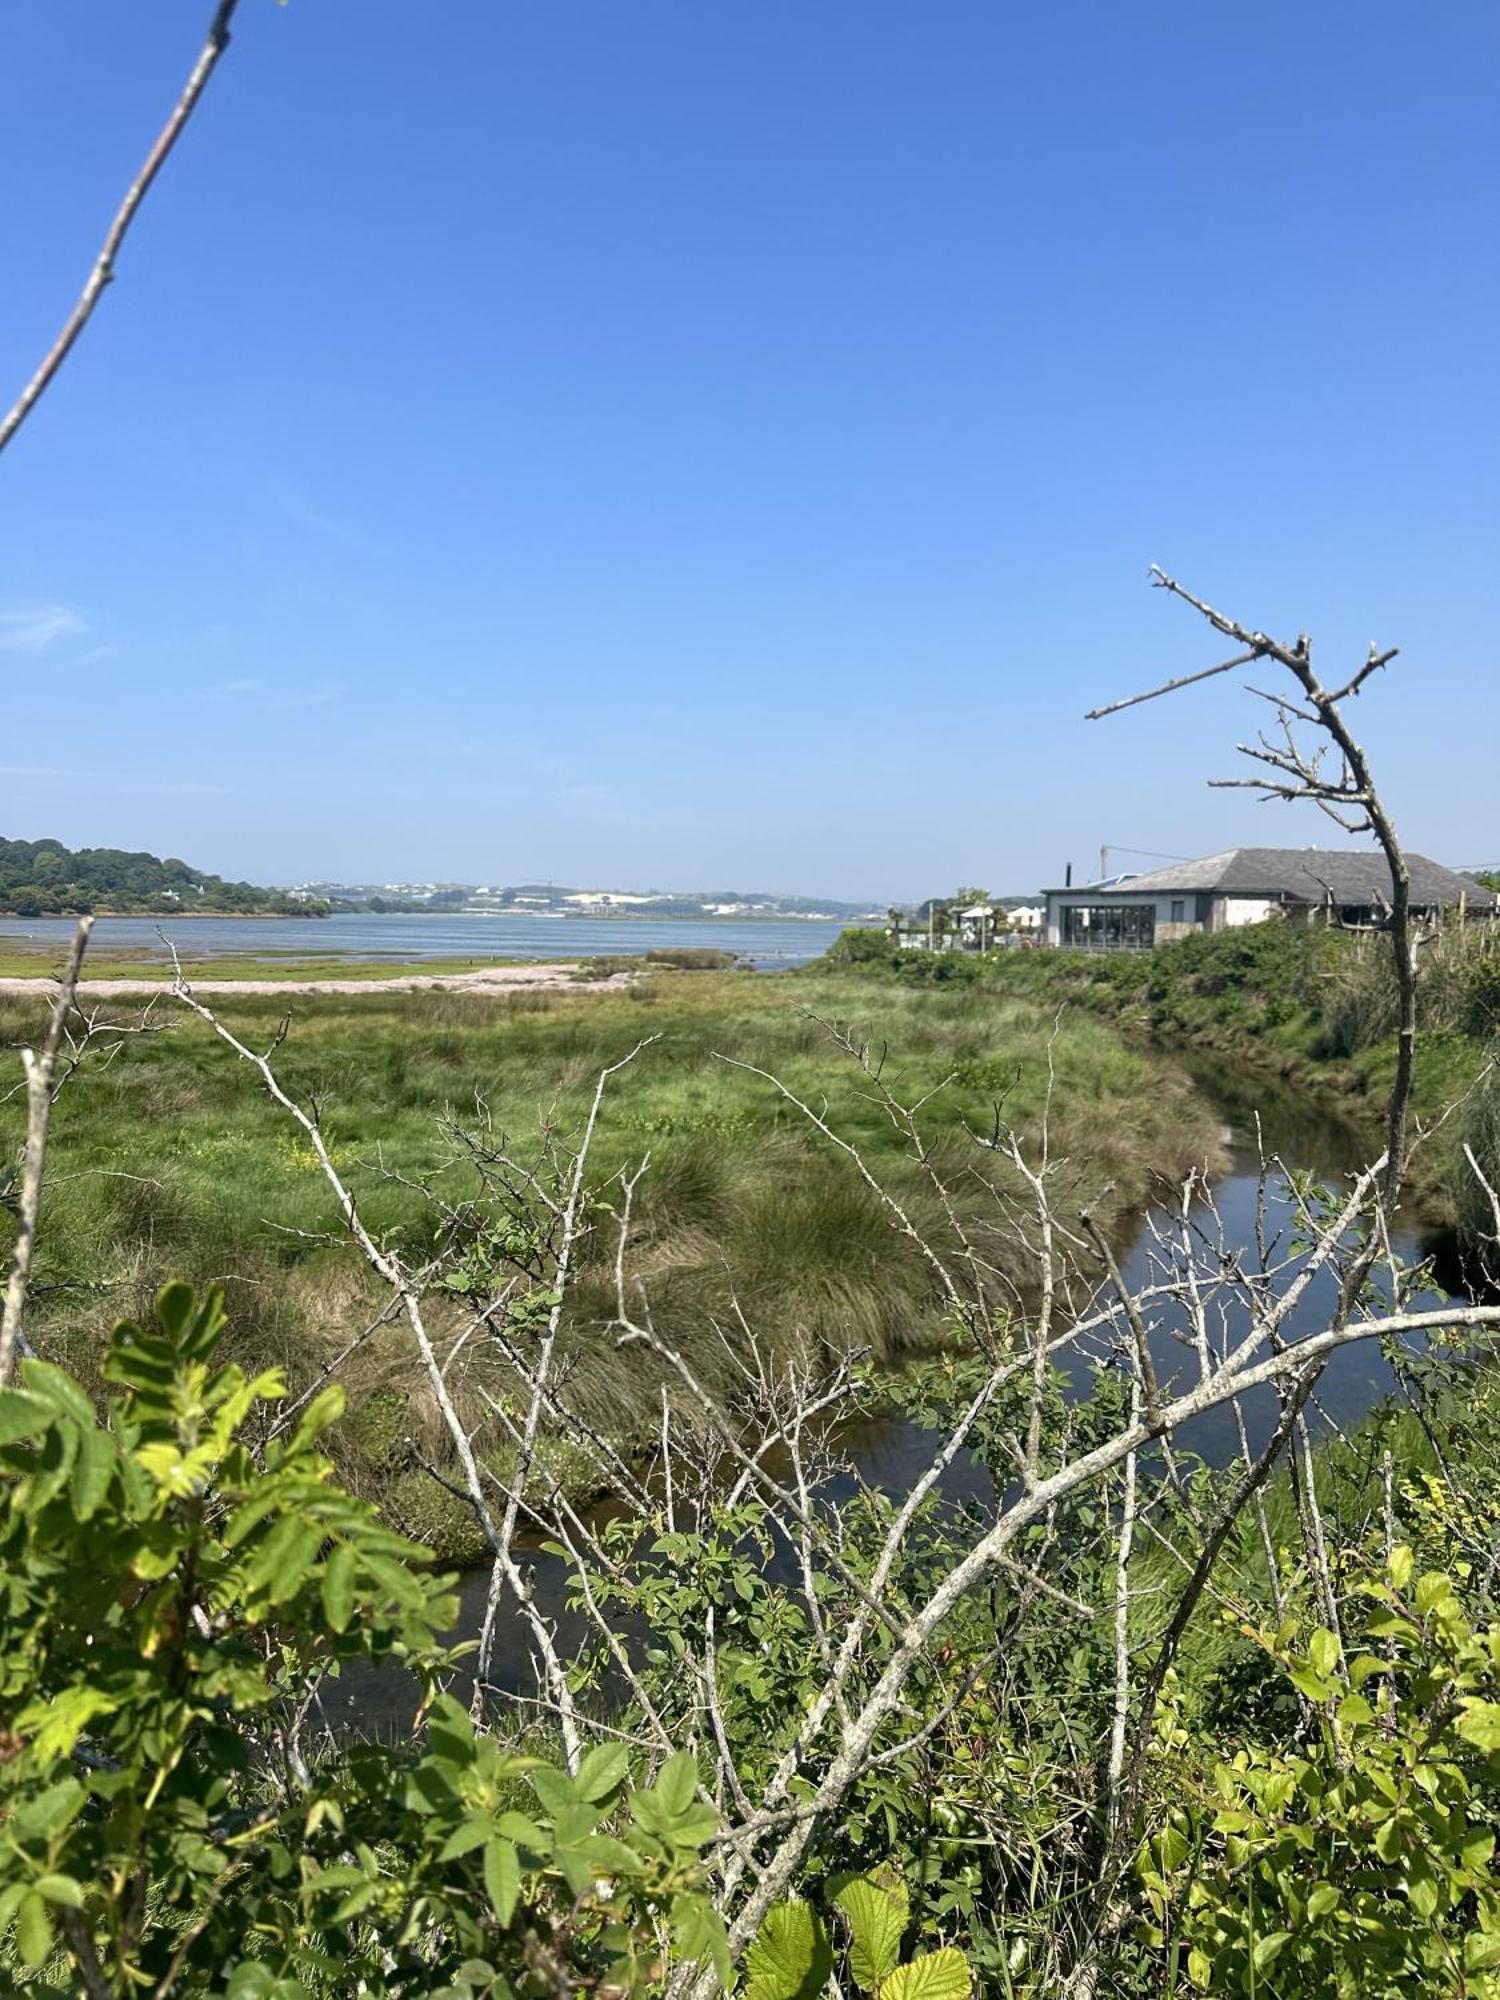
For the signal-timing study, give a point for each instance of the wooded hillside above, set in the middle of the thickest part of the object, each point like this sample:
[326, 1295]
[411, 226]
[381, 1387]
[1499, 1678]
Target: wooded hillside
[40, 878]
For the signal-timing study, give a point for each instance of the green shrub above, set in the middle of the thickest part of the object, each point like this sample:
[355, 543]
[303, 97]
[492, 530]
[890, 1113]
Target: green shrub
[1360, 1863]
[170, 1604]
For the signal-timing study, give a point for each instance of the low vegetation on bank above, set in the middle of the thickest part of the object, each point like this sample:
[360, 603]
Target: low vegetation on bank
[1302, 1002]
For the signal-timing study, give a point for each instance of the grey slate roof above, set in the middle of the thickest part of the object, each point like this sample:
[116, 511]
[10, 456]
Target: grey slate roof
[1306, 875]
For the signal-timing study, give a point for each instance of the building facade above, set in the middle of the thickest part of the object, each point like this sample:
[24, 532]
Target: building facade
[1245, 885]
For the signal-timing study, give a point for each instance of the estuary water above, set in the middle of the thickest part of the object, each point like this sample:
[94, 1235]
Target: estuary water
[775, 943]
[891, 1452]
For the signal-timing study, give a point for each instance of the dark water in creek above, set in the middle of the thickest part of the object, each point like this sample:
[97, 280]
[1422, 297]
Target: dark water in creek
[891, 1452]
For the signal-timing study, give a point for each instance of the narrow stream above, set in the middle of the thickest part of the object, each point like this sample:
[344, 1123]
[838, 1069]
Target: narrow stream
[891, 1452]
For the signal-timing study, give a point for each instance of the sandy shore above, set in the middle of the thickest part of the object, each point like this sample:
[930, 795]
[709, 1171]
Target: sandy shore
[484, 979]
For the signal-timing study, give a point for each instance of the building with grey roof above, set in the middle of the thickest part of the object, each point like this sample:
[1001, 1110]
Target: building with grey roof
[1245, 885]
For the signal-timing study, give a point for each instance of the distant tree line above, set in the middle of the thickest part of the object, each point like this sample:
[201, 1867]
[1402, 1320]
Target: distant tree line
[42, 878]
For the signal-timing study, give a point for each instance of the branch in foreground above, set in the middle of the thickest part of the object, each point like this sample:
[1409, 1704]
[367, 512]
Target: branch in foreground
[39, 1071]
[104, 265]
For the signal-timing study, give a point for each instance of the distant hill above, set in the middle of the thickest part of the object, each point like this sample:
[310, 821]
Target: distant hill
[42, 878]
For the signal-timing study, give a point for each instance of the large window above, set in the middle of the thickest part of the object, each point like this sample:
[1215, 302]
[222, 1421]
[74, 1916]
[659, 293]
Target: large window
[1109, 926]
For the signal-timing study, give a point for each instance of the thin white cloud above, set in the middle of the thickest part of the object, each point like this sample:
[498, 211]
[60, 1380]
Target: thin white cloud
[38, 626]
[249, 685]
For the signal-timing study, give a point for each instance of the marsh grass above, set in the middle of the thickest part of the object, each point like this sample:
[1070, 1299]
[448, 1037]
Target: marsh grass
[170, 1161]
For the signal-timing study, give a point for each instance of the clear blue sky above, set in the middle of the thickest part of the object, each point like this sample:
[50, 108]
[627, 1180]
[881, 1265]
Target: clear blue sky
[706, 445]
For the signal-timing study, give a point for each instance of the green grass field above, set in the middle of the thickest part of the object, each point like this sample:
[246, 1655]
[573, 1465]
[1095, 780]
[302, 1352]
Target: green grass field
[170, 1160]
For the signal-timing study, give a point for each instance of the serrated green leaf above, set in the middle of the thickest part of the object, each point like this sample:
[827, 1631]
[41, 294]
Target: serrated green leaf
[602, 1770]
[555, 1789]
[791, 1957]
[932, 1975]
[876, 1922]
[465, 1838]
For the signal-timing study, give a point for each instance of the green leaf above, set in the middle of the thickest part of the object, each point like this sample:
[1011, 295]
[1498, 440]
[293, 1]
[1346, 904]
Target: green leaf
[502, 1879]
[49, 1811]
[677, 1782]
[1265, 1951]
[1323, 1651]
[1422, 1889]
[338, 1587]
[525, 1832]
[57, 1387]
[1479, 1724]
[1481, 1952]
[174, 1307]
[92, 1470]
[61, 1890]
[1401, 1567]
[876, 1922]
[33, 1931]
[932, 1975]
[22, 1415]
[791, 1958]
[321, 1414]
[555, 1789]
[463, 1839]
[601, 1771]
[1325, 1897]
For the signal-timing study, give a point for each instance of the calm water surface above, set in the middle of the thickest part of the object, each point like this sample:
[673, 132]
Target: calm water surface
[375, 940]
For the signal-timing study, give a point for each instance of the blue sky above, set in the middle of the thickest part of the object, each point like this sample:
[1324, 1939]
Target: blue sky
[723, 445]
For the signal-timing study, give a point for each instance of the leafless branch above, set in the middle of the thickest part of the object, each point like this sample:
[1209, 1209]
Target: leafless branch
[104, 265]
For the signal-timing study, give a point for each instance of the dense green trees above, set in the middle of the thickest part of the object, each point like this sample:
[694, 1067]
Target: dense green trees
[42, 878]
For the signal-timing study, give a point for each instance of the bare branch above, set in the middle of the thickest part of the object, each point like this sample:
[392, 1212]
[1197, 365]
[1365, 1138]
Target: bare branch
[39, 1069]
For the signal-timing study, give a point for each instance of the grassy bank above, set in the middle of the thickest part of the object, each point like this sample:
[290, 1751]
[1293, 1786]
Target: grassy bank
[1313, 1007]
[170, 1161]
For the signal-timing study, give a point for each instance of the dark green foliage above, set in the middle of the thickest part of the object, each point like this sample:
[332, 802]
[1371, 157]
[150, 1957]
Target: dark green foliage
[40, 878]
[863, 947]
[170, 1603]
